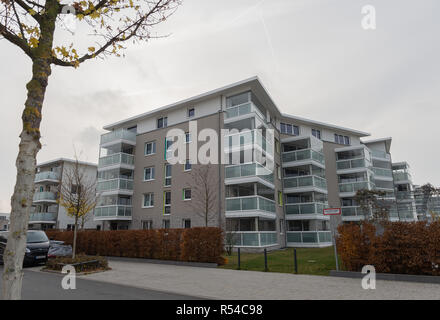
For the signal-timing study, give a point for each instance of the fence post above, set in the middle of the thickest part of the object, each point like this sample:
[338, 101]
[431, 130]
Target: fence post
[239, 264]
[296, 261]
[265, 259]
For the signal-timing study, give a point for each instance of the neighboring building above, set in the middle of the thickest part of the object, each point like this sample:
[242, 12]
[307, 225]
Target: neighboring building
[315, 166]
[4, 222]
[46, 213]
[426, 205]
[406, 205]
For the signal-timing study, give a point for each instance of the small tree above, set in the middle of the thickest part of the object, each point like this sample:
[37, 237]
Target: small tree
[429, 194]
[78, 196]
[372, 200]
[204, 192]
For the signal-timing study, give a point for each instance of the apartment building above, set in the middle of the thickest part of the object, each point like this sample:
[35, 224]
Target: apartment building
[427, 206]
[274, 175]
[46, 213]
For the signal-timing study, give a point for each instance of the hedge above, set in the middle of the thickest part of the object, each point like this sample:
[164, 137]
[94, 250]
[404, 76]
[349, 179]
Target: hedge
[193, 244]
[400, 247]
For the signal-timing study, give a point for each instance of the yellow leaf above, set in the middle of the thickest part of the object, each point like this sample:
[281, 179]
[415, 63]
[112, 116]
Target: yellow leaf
[32, 12]
[92, 49]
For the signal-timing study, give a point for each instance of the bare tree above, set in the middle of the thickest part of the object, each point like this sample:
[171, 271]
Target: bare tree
[204, 192]
[30, 25]
[372, 201]
[78, 196]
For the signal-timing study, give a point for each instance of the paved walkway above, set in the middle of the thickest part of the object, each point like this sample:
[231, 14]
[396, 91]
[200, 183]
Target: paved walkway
[232, 284]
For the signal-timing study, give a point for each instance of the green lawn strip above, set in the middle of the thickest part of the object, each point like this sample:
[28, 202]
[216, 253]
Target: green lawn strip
[314, 261]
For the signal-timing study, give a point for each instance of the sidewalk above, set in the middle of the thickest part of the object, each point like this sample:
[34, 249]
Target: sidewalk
[232, 284]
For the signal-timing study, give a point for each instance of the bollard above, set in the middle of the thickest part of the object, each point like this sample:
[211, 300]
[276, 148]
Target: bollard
[239, 264]
[296, 261]
[265, 259]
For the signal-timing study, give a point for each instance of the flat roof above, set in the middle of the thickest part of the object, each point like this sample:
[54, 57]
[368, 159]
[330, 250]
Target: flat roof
[66, 160]
[253, 82]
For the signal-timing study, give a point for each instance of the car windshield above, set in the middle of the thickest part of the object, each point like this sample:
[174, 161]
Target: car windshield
[36, 236]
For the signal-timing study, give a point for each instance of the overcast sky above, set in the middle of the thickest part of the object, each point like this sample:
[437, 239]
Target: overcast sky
[313, 57]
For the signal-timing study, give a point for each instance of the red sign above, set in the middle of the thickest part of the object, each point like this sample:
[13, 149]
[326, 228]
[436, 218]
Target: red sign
[332, 212]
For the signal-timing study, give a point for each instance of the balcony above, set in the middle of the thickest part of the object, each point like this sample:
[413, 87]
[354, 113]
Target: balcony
[47, 176]
[303, 155]
[251, 206]
[116, 212]
[45, 196]
[299, 210]
[353, 187]
[43, 217]
[309, 238]
[401, 176]
[117, 159]
[254, 238]
[118, 136]
[383, 173]
[249, 170]
[115, 184]
[248, 138]
[306, 182]
[404, 196]
[355, 211]
[351, 164]
[382, 155]
[242, 110]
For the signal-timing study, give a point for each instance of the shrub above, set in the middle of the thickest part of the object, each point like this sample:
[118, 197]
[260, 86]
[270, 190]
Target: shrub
[194, 244]
[81, 263]
[402, 248]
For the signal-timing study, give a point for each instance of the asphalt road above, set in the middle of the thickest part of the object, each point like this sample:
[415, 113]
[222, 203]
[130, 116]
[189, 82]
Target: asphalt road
[47, 286]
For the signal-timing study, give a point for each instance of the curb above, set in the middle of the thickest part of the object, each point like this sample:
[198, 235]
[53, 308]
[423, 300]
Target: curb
[167, 262]
[388, 276]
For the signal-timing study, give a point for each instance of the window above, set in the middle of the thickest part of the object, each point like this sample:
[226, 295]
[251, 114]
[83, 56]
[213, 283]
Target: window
[168, 170]
[237, 99]
[168, 152]
[186, 195]
[191, 112]
[167, 202]
[148, 200]
[165, 224]
[188, 165]
[289, 129]
[280, 198]
[187, 137]
[149, 174]
[316, 133]
[277, 145]
[150, 148]
[162, 122]
[186, 223]
[342, 139]
[278, 172]
[147, 224]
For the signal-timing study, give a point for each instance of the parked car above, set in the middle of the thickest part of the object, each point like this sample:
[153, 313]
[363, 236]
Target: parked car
[59, 249]
[37, 247]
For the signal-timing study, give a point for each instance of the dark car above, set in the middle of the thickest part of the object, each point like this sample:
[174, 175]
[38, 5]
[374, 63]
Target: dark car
[37, 247]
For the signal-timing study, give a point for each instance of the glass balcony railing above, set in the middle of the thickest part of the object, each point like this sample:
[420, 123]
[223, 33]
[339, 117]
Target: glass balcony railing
[381, 172]
[304, 154]
[113, 212]
[247, 170]
[117, 158]
[250, 203]
[119, 134]
[254, 238]
[243, 109]
[305, 181]
[404, 195]
[245, 138]
[355, 186]
[115, 184]
[309, 237]
[46, 175]
[380, 155]
[401, 176]
[43, 217]
[351, 164]
[45, 196]
[354, 211]
[305, 208]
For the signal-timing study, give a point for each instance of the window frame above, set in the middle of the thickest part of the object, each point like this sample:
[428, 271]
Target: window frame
[152, 173]
[184, 194]
[151, 200]
[153, 148]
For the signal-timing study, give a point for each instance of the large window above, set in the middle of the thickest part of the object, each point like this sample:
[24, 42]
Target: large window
[150, 148]
[148, 200]
[162, 122]
[165, 224]
[148, 173]
[186, 223]
[237, 99]
[147, 224]
[167, 202]
[342, 139]
[289, 129]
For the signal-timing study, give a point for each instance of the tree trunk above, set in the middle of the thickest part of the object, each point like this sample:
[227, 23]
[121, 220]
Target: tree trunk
[74, 237]
[22, 198]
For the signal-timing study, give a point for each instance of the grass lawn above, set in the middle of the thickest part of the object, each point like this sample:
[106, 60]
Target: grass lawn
[316, 261]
